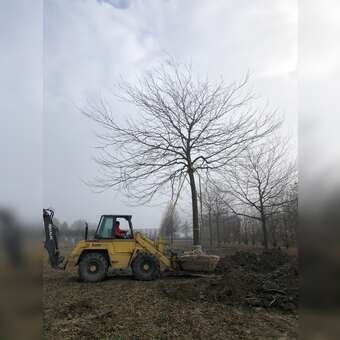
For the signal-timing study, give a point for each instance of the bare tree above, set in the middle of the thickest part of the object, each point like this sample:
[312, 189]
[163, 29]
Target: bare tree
[208, 204]
[64, 227]
[185, 125]
[217, 212]
[289, 215]
[78, 224]
[245, 228]
[259, 180]
[170, 223]
[219, 208]
[185, 229]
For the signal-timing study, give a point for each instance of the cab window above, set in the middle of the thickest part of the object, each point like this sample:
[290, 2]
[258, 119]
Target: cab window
[105, 228]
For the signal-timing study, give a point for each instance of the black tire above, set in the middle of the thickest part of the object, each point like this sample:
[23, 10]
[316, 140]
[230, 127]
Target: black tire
[92, 267]
[145, 267]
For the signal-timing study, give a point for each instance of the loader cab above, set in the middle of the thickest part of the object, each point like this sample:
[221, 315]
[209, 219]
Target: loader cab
[106, 226]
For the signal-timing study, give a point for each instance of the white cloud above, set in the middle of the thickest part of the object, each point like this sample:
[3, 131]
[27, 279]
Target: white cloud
[121, 4]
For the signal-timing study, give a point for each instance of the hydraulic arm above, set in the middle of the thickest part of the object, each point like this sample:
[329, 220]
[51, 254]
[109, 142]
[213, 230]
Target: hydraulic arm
[51, 240]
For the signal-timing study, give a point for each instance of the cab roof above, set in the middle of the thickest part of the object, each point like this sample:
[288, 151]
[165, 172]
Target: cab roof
[127, 217]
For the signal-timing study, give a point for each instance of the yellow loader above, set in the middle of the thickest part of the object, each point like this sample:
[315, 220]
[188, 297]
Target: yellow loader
[95, 257]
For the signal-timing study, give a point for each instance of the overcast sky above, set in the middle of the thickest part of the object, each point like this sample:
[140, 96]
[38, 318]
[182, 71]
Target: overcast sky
[88, 44]
[21, 106]
[319, 110]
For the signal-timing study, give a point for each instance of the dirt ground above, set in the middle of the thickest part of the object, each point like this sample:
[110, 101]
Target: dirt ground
[123, 308]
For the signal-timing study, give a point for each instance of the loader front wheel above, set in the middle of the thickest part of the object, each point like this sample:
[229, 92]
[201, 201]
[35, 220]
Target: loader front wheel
[92, 267]
[145, 267]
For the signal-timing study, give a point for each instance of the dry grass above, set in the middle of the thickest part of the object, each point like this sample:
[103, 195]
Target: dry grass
[123, 308]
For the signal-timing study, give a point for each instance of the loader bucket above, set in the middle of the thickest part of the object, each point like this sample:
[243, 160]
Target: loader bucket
[198, 263]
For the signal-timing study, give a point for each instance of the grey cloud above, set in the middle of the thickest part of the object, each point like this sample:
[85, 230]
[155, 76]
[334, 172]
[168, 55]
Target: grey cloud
[120, 4]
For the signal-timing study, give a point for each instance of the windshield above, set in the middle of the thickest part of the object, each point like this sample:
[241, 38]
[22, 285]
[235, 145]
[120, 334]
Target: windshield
[105, 227]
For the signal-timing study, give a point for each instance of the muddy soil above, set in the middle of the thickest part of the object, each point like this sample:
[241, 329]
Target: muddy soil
[269, 280]
[169, 308]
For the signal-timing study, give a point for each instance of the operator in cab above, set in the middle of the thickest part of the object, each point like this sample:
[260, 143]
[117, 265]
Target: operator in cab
[119, 233]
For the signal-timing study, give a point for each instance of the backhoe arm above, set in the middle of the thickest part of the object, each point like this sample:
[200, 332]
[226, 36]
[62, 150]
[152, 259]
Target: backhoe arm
[51, 241]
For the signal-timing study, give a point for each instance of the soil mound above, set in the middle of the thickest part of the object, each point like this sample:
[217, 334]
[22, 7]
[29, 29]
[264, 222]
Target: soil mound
[260, 263]
[269, 280]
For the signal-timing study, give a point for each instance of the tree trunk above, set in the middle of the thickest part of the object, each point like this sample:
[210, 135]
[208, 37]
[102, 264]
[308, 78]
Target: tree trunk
[224, 231]
[253, 240]
[195, 226]
[201, 209]
[246, 234]
[218, 229]
[273, 229]
[274, 236]
[264, 231]
[210, 230]
[285, 232]
[263, 222]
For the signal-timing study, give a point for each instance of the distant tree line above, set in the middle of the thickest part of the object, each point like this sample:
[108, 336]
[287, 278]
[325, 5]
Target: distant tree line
[253, 202]
[74, 231]
[220, 226]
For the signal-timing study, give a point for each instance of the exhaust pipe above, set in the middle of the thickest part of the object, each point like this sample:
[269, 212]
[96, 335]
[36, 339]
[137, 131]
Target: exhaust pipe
[86, 230]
